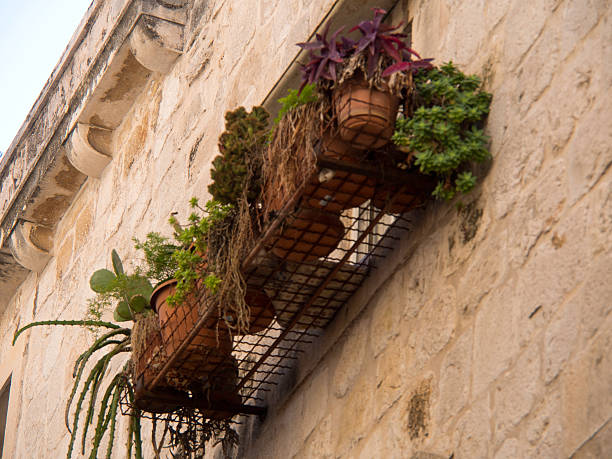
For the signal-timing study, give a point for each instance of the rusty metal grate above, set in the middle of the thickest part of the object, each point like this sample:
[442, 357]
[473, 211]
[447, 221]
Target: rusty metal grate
[310, 259]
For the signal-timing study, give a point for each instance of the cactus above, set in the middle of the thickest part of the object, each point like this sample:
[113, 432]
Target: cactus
[239, 164]
[132, 291]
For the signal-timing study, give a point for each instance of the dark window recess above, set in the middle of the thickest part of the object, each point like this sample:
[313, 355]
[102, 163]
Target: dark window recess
[4, 402]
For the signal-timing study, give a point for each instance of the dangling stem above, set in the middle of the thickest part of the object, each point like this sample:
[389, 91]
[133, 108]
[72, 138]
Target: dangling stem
[98, 344]
[88, 323]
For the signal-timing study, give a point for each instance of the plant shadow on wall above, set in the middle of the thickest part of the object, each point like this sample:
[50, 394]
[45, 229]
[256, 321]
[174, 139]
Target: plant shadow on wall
[373, 126]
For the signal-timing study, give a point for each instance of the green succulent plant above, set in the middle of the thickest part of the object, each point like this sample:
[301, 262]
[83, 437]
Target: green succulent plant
[191, 258]
[132, 292]
[239, 164]
[445, 133]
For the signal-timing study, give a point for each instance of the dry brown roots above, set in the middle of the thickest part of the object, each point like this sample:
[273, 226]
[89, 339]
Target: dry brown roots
[291, 156]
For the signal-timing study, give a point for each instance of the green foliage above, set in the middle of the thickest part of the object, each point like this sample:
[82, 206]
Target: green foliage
[444, 132]
[239, 165]
[108, 346]
[191, 259]
[131, 292]
[295, 98]
[158, 251]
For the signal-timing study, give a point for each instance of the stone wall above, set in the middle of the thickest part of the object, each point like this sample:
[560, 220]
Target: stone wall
[484, 335]
[488, 335]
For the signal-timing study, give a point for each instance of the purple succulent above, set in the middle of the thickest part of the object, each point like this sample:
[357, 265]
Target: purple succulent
[378, 40]
[325, 55]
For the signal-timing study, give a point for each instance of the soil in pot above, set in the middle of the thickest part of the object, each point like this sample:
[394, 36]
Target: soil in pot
[210, 346]
[366, 116]
[307, 235]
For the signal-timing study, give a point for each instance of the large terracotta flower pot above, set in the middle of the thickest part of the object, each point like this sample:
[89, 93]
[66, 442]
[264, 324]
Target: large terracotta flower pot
[147, 359]
[366, 116]
[307, 235]
[207, 349]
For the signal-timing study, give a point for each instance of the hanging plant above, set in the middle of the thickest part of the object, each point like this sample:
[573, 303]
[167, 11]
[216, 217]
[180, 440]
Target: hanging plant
[445, 133]
[237, 171]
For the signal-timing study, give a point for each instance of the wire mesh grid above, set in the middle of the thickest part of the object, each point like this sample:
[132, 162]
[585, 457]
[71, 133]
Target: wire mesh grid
[312, 256]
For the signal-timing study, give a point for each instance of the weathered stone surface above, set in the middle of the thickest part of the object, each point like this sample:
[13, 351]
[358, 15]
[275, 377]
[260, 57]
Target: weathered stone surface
[473, 431]
[516, 393]
[386, 314]
[455, 378]
[495, 337]
[434, 327]
[490, 339]
[349, 360]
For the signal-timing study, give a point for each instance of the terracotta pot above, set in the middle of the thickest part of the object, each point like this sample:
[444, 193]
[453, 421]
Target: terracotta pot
[147, 359]
[159, 400]
[220, 392]
[366, 116]
[210, 346]
[402, 203]
[338, 190]
[261, 310]
[307, 235]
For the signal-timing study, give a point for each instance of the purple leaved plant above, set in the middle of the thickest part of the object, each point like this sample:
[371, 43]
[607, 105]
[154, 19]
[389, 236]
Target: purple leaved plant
[377, 40]
[325, 55]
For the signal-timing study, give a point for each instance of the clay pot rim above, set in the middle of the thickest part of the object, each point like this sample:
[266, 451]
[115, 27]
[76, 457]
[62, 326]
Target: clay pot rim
[157, 291]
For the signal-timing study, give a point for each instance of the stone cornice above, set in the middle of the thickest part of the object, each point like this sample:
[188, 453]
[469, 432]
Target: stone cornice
[118, 46]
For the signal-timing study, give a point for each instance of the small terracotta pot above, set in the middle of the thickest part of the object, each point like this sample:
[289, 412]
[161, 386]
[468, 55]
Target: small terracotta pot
[220, 391]
[261, 310]
[402, 203]
[159, 400]
[338, 190]
[177, 322]
[366, 116]
[308, 235]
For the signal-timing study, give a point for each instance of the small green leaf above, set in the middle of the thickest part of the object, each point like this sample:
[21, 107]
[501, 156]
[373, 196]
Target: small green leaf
[123, 310]
[138, 303]
[119, 318]
[102, 281]
[117, 265]
[139, 285]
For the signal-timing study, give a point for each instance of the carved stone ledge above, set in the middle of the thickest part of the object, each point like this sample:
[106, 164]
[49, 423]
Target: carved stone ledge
[82, 154]
[30, 244]
[156, 43]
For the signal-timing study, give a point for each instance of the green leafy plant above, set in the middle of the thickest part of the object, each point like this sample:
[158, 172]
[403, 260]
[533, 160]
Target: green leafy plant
[237, 171]
[131, 292]
[191, 259]
[159, 256]
[295, 98]
[114, 342]
[445, 135]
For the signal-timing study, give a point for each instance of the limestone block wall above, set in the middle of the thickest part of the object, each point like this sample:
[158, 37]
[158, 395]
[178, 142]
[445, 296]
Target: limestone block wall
[233, 54]
[486, 334]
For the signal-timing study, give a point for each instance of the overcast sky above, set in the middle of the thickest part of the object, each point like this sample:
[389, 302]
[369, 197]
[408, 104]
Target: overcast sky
[33, 36]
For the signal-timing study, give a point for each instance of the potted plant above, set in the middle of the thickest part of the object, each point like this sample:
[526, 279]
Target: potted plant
[445, 135]
[366, 78]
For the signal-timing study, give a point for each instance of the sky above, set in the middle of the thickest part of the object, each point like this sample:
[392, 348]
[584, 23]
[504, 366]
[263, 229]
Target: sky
[33, 36]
